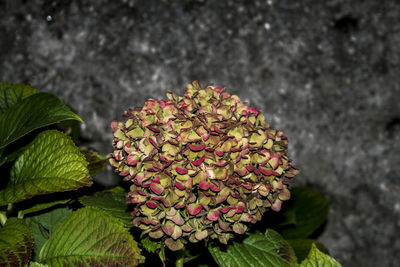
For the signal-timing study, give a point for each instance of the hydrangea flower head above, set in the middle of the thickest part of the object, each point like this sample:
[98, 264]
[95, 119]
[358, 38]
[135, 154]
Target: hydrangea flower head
[203, 165]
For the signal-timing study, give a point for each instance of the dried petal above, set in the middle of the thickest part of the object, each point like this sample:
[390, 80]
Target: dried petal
[194, 208]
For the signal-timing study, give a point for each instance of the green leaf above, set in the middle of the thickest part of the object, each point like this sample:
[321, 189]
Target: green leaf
[10, 94]
[42, 206]
[12, 156]
[256, 250]
[44, 225]
[189, 257]
[90, 237]
[150, 245]
[302, 247]
[31, 113]
[15, 243]
[310, 210]
[96, 161]
[318, 259]
[112, 201]
[51, 163]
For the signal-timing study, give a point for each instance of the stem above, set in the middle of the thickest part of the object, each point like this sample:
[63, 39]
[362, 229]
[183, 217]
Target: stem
[3, 218]
[181, 257]
[10, 208]
[161, 254]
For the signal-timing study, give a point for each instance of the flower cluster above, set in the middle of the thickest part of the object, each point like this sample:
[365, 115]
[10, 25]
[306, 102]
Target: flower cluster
[202, 166]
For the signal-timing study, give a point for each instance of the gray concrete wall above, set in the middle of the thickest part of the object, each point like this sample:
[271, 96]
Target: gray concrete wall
[326, 72]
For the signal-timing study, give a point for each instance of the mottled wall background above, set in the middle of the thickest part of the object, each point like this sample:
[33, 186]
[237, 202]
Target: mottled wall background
[326, 72]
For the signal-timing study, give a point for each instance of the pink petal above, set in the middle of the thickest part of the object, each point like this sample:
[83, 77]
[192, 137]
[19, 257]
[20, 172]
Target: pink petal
[204, 185]
[220, 153]
[114, 125]
[157, 188]
[277, 205]
[123, 173]
[156, 179]
[199, 161]
[265, 171]
[153, 142]
[146, 184]
[153, 129]
[247, 185]
[179, 185]
[246, 217]
[239, 209]
[225, 210]
[274, 161]
[172, 142]
[249, 167]
[218, 89]
[194, 209]
[161, 199]
[141, 192]
[213, 215]
[274, 173]
[157, 165]
[178, 220]
[241, 172]
[151, 204]
[181, 170]
[220, 199]
[132, 160]
[254, 111]
[169, 230]
[216, 129]
[214, 188]
[197, 147]
[222, 163]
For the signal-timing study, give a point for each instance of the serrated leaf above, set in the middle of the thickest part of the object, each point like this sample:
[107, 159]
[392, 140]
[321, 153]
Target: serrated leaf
[150, 245]
[310, 210]
[96, 161]
[90, 237]
[318, 259]
[112, 201]
[302, 247]
[11, 93]
[15, 243]
[44, 225]
[51, 163]
[33, 112]
[256, 250]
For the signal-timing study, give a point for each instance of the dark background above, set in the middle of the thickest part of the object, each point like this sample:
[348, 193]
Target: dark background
[325, 72]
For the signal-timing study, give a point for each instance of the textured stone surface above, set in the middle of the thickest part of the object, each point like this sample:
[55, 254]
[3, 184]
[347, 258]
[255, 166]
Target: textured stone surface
[326, 72]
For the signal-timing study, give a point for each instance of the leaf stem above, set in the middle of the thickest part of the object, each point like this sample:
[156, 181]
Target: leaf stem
[161, 254]
[181, 257]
